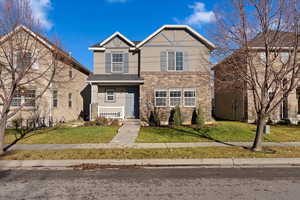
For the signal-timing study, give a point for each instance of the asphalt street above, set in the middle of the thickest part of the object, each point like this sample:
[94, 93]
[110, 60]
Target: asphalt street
[166, 183]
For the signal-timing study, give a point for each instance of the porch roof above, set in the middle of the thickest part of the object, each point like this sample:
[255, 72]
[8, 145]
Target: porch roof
[115, 78]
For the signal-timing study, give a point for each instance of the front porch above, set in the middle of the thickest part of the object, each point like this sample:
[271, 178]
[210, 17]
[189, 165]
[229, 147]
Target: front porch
[115, 97]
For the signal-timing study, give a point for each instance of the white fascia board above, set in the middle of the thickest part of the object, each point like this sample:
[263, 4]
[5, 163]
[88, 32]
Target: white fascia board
[114, 35]
[177, 26]
[97, 48]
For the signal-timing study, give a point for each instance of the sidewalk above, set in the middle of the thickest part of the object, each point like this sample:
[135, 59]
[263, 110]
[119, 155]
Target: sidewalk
[239, 162]
[145, 145]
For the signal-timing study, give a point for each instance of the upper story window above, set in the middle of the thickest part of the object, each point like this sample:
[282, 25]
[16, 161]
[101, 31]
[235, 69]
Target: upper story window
[24, 60]
[284, 57]
[70, 72]
[175, 60]
[117, 62]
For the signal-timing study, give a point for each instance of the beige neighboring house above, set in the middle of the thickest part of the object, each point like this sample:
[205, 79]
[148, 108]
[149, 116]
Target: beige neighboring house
[234, 101]
[170, 67]
[67, 97]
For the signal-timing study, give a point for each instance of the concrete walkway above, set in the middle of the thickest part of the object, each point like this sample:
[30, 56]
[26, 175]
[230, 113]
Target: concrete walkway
[128, 132]
[221, 162]
[115, 145]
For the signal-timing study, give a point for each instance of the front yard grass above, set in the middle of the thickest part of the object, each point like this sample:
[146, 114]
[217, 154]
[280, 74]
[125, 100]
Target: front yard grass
[65, 135]
[222, 132]
[180, 153]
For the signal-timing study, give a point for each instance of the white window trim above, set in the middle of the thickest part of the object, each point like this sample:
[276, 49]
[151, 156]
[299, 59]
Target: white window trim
[112, 53]
[114, 95]
[175, 90]
[22, 102]
[189, 90]
[175, 66]
[161, 90]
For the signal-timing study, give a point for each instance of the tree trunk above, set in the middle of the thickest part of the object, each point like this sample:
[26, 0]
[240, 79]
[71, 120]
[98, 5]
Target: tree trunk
[2, 134]
[260, 125]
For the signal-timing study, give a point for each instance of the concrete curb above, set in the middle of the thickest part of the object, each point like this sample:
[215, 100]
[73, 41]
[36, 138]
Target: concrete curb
[234, 162]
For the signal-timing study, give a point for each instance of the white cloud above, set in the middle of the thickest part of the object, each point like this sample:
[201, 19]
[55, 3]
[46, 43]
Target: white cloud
[40, 10]
[200, 15]
[116, 1]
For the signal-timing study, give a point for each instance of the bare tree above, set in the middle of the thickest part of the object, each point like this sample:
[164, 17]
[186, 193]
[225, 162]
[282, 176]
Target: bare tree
[25, 62]
[260, 39]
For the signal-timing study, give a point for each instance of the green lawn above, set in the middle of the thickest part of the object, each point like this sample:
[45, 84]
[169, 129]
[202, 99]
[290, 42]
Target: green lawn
[222, 131]
[66, 135]
[184, 153]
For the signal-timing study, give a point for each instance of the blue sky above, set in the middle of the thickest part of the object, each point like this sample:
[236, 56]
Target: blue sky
[79, 24]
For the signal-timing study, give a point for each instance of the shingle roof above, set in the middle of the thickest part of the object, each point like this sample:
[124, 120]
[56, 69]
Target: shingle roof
[278, 39]
[114, 77]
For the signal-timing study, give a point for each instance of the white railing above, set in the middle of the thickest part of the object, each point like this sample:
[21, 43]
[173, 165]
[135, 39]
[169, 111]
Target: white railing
[111, 112]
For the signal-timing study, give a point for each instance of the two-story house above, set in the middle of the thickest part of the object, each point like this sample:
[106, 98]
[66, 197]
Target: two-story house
[65, 98]
[170, 67]
[234, 97]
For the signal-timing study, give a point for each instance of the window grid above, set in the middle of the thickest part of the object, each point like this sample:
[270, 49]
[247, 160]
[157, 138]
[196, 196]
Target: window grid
[189, 98]
[175, 61]
[117, 62]
[110, 95]
[175, 97]
[27, 98]
[55, 98]
[161, 98]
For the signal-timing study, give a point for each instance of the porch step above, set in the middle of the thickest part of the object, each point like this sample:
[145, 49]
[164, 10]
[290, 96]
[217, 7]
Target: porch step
[132, 121]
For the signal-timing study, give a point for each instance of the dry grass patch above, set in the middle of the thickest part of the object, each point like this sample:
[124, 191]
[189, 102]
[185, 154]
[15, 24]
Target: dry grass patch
[187, 153]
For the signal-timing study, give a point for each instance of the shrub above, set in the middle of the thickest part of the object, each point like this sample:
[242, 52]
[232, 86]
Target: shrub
[284, 122]
[115, 122]
[102, 121]
[200, 120]
[17, 123]
[177, 116]
[154, 119]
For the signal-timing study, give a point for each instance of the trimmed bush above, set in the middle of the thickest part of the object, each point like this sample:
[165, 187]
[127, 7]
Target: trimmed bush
[177, 116]
[200, 120]
[154, 119]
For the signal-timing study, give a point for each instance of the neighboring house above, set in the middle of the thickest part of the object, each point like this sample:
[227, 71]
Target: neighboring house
[67, 97]
[234, 100]
[134, 79]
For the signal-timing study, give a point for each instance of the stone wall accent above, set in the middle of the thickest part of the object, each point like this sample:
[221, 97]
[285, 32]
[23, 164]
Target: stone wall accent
[175, 80]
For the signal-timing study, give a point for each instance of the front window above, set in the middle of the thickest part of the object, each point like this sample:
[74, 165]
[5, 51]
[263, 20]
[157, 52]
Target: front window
[70, 100]
[117, 62]
[27, 98]
[110, 95]
[161, 98]
[175, 61]
[17, 99]
[189, 98]
[55, 98]
[175, 97]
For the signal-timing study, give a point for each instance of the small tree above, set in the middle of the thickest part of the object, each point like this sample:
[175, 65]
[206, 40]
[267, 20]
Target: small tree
[200, 120]
[177, 116]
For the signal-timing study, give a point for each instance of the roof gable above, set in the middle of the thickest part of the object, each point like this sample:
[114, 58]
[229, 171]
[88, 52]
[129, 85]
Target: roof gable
[47, 44]
[209, 44]
[113, 36]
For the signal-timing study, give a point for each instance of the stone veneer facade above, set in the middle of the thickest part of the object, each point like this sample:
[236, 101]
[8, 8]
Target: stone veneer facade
[175, 80]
